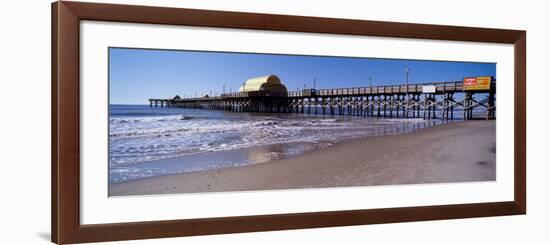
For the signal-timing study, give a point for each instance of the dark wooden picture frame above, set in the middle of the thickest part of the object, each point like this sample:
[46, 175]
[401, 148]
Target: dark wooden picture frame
[65, 175]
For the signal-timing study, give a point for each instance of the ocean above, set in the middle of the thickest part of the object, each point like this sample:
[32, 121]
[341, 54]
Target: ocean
[146, 142]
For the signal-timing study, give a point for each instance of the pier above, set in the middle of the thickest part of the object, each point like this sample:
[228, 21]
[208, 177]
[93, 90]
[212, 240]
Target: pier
[430, 100]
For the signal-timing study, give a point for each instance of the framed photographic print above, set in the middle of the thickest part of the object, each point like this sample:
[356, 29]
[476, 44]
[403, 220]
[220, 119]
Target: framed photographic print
[177, 122]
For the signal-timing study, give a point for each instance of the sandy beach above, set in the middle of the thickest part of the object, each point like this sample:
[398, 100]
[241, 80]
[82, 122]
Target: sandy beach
[453, 152]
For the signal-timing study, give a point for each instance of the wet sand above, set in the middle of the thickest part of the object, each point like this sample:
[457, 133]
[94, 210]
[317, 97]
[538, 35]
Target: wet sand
[454, 152]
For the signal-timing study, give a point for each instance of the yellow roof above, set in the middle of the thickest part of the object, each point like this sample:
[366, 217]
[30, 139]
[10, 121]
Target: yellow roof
[256, 83]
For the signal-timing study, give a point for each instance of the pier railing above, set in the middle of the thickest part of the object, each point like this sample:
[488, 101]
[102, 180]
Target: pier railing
[440, 87]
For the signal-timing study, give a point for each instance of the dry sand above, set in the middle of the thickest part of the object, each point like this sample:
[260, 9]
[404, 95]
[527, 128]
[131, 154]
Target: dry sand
[454, 152]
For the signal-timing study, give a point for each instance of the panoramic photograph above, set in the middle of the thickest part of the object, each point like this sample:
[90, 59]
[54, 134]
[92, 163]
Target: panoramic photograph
[184, 121]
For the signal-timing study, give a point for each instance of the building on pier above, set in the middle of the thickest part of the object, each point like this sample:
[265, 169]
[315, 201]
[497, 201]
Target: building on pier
[270, 84]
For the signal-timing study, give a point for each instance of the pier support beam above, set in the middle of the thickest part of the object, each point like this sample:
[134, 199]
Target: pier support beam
[491, 103]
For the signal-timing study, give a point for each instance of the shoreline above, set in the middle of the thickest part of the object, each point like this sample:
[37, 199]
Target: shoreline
[452, 152]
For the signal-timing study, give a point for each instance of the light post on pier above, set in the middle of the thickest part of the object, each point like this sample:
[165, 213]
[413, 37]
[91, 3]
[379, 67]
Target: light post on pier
[314, 83]
[407, 74]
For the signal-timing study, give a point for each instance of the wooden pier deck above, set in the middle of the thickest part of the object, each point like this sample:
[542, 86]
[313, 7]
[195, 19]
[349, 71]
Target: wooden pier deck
[424, 100]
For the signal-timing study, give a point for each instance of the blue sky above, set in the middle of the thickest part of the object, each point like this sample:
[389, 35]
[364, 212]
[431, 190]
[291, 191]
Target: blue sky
[135, 75]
